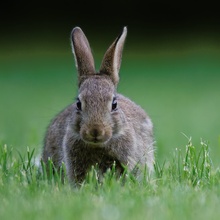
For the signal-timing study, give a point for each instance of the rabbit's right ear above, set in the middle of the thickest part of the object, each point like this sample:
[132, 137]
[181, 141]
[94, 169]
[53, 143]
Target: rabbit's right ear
[82, 53]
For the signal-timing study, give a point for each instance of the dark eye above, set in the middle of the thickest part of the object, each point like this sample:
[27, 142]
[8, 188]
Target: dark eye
[78, 104]
[114, 104]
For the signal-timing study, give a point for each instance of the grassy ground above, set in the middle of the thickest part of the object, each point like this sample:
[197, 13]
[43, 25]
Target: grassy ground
[178, 85]
[186, 187]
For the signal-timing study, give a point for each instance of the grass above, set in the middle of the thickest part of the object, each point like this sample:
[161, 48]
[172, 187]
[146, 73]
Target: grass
[186, 187]
[177, 85]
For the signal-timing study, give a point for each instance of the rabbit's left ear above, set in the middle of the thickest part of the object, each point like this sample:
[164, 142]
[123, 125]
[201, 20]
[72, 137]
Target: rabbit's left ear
[112, 59]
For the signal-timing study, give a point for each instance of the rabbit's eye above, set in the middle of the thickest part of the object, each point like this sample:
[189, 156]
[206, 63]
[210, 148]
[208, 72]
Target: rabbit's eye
[114, 104]
[78, 104]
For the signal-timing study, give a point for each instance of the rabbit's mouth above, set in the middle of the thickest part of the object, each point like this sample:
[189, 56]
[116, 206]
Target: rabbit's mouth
[95, 142]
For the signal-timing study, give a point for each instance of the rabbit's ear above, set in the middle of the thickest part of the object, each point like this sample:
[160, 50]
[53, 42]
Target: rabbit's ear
[82, 53]
[112, 59]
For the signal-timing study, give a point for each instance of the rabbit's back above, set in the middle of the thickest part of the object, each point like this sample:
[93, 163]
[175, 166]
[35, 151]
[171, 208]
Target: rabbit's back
[138, 132]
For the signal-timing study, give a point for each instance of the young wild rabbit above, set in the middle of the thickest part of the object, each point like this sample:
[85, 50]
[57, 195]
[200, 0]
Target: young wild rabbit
[102, 127]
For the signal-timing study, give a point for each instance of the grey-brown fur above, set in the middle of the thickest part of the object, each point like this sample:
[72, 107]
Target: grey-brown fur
[92, 131]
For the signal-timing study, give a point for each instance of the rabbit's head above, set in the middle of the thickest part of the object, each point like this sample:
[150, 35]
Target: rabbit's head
[98, 117]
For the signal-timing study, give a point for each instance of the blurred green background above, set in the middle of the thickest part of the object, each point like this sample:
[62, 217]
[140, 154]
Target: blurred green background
[170, 67]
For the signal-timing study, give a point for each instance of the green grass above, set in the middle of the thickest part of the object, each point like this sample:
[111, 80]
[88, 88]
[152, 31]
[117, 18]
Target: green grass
[186, 187]
[178, 85]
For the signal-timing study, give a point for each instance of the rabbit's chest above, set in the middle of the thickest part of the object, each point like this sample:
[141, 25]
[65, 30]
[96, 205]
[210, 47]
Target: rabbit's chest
[83, 159]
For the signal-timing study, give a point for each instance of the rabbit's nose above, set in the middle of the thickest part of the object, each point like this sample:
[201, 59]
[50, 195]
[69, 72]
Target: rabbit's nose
[96, 133]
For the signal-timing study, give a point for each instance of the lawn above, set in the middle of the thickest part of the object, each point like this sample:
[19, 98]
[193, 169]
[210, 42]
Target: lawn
[176, 83]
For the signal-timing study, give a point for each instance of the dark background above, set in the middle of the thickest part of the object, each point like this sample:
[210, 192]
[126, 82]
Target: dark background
[149, 17]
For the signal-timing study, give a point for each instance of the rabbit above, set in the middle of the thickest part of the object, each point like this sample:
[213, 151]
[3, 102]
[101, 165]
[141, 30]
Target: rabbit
[102, 127]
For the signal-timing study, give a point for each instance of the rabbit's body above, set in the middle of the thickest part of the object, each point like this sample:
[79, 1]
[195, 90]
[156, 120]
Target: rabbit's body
[102, 127]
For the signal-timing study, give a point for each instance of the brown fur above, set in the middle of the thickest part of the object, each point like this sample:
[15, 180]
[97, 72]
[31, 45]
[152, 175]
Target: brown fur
[97, 134]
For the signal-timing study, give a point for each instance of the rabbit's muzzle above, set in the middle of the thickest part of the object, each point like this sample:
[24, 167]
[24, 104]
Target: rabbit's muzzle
[96, 135]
